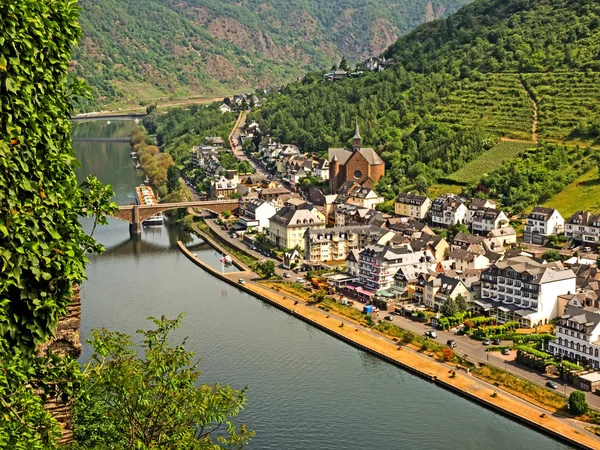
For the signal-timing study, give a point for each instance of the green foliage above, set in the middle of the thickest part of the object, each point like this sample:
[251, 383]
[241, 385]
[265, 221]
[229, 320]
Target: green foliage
[318, 296]
[42, 244]
[266, 268]
[577, 403]
[536, 175]
[153, 400]
[552, 255]
[226, 45]
[506, 36]
[488, 161]
[173, 183]
[154, 162]
[453, 306]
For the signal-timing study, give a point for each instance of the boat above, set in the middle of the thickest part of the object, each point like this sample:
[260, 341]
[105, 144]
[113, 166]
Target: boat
[226, 259]
[108, 122]
[145, 196]
[146, 180]
[138, 166]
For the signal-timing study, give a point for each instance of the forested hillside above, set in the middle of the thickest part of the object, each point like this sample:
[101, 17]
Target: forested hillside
[523, 70]
[143, 49]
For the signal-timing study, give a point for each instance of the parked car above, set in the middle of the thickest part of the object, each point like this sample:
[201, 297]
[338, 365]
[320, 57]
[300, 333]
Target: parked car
[390, 318]
[451, 343]
[587, 249]
[299, 280]
[234, 235]
[487, 342]
[496, 342]
[241, 281]
[286, 275]
[431, 334]
[552, 384]
[505, 351]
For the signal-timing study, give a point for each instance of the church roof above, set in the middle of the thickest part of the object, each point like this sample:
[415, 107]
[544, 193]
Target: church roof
[343, 155]
[356, 131]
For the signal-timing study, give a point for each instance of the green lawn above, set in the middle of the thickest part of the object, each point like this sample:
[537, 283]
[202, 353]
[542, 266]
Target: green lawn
[489, 161]
[443, 188]
[583, 193]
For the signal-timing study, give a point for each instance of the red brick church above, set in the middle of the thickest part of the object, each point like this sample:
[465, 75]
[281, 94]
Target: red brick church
[361, 165]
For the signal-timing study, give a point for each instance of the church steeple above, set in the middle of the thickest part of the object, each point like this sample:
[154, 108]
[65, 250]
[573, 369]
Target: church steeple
[356, 138]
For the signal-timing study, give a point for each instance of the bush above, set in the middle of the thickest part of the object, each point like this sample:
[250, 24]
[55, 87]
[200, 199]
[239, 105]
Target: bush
[577, 403]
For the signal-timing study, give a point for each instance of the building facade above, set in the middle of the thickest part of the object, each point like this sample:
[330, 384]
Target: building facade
[288, 226]
[412, 205]
[446, 210]
[523, 290]
[541, 223]
[584, 228]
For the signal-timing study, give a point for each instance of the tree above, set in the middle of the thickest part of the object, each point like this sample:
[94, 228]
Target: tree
[267, 268]
[461, 303]
[173, 183]
[449, 308]
[318, 296]
[149, 397]
[344, 64]
[552, 255]
[577, 403]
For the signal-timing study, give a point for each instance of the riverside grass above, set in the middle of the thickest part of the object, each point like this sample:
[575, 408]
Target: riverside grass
[522, 388]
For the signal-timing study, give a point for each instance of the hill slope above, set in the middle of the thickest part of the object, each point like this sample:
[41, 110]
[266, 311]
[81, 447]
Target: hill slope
[141, 49]
[497, 69]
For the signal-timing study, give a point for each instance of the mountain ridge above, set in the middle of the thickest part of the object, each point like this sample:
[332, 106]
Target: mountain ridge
[134, 50]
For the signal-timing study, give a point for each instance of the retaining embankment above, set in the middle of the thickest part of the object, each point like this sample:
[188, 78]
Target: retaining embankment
[210, 241]
[463, 385]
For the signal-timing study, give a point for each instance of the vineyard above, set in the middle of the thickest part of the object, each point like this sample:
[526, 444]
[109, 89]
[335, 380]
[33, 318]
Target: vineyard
[565, 100]
[497, 103]
[583, 193]
[488, 162]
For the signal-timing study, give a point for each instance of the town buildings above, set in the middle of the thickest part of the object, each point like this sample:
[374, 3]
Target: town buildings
[524, 290]
[584, 228]
[541, 224]
[358, 164]
[446, 210]
[412, 205]
[257, 214]
[288, 226]
[488, 219]
[578, 336]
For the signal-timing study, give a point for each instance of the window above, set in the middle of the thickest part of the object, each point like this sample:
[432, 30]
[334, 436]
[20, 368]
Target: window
[358, 174]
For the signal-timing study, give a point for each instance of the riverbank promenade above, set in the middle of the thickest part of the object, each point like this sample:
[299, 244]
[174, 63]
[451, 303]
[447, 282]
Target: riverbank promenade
[410, 359]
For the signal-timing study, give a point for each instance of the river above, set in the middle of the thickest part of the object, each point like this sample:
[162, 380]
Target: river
[305, 389]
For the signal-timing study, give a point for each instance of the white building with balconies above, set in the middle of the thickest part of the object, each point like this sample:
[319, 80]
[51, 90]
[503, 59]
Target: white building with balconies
[578, 337]
[584, 228]
[523, 290]
[541, 223]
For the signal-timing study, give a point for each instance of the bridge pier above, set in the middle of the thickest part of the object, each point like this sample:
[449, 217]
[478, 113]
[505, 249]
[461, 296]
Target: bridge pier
[135, 228]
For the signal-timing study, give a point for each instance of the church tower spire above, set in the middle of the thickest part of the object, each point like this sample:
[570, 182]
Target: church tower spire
[356, 138]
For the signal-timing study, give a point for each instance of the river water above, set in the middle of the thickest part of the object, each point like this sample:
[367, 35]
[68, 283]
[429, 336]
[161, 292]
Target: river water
[305, 389]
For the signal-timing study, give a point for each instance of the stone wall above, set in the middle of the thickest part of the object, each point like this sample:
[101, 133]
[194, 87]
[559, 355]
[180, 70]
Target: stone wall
[66, 343]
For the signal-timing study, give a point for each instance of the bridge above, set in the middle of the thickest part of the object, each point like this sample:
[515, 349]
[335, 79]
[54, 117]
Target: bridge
[136, 214]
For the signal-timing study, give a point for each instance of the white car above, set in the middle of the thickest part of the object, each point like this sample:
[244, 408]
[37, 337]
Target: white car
[587, 249]
[286, 275]
[431, 334]
[299, 280]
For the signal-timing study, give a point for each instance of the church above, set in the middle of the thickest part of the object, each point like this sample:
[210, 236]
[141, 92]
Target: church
[360, 165]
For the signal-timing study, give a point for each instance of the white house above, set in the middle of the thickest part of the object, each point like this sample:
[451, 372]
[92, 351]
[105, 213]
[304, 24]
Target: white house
[465, 260]
[584, 227]
[224, 108]
[541, 223]
[577, 336]
[488, 219]
[523, 290]
[321, 169]
[447, 209]
[257, 214]
[476, 205]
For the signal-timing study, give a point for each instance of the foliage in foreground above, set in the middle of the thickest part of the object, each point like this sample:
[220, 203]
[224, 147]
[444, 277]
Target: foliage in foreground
[42, 243]
[153, 401]
[577, 403]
